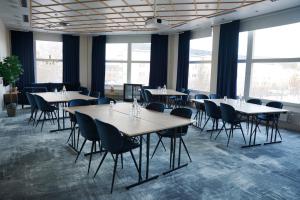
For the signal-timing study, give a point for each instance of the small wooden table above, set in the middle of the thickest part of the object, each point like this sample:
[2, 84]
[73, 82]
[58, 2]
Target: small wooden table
[148, 122]
[250, 110]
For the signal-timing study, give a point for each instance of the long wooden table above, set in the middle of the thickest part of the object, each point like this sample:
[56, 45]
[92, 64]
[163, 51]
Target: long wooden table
[148, 122]
[60, 98]
[167, 92]
[248, 109]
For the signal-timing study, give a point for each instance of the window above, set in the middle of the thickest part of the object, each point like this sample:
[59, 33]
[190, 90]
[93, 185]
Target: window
[273, 63]
[200, 64]
[127, 63]
[48, 57]
[242, 55]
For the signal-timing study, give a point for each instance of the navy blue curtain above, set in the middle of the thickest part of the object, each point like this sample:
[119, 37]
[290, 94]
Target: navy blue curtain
[22, 46]
[98, 64]
[228, 58]
[158, 61]
[183, 60]
[71, 59]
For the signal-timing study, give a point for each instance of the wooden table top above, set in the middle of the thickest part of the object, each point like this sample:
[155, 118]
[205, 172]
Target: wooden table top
[118, 115]
[168, 92]
[59, 97]
[243, 107]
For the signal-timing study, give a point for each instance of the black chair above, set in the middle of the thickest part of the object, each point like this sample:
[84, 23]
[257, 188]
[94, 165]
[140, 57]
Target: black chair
[270, 119]
[213, 96]
[96, 94]
[106, 100]
[200, 109]
[145, 100]
[158, 107]
[115, 143]
[176, 132]
[213, 112]
[89, 132]
[84, 91]
[183, 100]
[33, 107]
[148, 96]
[46, 109]
[72, 103]
[229, 116]
[253, 101]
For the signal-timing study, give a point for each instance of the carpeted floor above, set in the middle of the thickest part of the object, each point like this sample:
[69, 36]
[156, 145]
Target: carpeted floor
[39, 165]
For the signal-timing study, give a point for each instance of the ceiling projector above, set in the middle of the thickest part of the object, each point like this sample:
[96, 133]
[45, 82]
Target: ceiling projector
[156, 23]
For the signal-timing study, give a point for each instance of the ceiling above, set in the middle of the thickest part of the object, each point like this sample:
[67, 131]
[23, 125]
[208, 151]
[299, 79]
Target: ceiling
[129, 16]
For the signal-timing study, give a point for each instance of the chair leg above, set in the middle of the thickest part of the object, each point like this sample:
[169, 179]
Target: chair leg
[122, 160]
[78, 134]
[114, 173]
[162, 143]
[156, 146]
[171, 151]
[92, 148]
[35, 113]
[242, 133]
[80, 150]
[230, 133]
[100, 163]
[205, 123]
[72, 130]
[221, 131]
[181, 140]
[43, 121]
[38, 121]
[213, 126]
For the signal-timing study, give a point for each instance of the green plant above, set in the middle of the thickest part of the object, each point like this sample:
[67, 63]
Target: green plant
[10, 70]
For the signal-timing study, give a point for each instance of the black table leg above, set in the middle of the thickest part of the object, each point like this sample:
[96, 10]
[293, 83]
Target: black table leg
[252, 133]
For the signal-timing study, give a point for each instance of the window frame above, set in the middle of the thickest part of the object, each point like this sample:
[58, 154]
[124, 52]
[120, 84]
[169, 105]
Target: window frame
[129, 61]
[44, 59]
[203, 62]
[249, 67]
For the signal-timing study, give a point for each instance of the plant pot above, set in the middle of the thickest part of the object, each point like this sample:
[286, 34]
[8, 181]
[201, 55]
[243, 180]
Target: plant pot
[14, 89]
[11, 109]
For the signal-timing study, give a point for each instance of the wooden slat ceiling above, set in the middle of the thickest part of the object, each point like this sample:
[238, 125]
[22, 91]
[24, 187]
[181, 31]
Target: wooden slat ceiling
[96, 16]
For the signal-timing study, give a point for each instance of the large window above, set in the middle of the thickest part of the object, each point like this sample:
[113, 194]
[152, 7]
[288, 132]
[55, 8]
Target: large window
[127, 63]
[200, 64]
[242, 55]
[48, 57]
[273, 63]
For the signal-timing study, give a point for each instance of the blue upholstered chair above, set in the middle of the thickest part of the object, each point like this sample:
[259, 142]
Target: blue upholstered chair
[46, 109]
[115, 143]
[72, 103]
[84, 91]
[213, 112]
[105, 100]
[213, 96]
[200, 109]
[176, 132]
[89, 132]
[229, 116]
[33, 107]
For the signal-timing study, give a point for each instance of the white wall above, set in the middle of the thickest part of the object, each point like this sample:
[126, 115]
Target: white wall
[85, 61]
[4, 51]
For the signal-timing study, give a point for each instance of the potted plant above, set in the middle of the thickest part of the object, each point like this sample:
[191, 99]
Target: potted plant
[10, 70]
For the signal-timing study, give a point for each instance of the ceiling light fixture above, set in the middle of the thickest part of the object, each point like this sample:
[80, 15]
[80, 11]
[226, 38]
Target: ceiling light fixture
[155, 22]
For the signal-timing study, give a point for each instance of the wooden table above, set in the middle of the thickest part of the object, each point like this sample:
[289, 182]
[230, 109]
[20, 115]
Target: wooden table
[60, 98]
[148, 122]
[167, 92]
[248, 109]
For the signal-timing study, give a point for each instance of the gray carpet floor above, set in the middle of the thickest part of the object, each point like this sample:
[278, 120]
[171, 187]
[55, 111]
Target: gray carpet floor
[39, 165]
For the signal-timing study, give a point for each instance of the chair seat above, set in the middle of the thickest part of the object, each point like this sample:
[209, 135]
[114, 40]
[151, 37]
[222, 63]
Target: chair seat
[129, 144]
[170, 133]
[265, 117]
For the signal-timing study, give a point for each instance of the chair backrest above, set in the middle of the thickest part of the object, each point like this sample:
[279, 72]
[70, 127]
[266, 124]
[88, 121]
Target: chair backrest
[148, 96]
[87, 126]
[212, 110]
[159, 107]
[142, 91]
[111, 138]
[254, 101]
[41, 103]
[186, 97]
[31, 100]
[213, 96]
[185, 113]
[39, 89]
[275, 104]
[84, 91]
[105, 100]
[78, 102]
[201, 96]
[228, 113]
